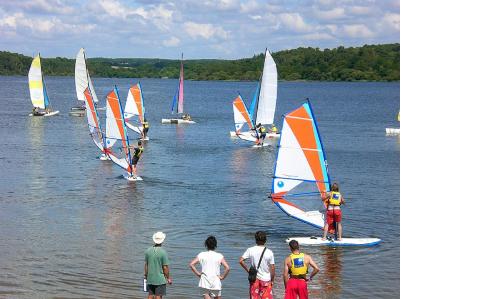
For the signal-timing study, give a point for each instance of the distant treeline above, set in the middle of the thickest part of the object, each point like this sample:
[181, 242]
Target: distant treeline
[369, 62]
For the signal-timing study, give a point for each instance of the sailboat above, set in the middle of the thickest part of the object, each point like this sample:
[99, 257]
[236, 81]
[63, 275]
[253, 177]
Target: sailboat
[116, 130]
[82, 81]
[263, 105]
[178, 102]
[134, 109]
[301, 176]
[393, 131]
[38, 91]
[94, 125]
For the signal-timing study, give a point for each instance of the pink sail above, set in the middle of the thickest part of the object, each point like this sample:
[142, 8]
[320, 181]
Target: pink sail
[180, 107]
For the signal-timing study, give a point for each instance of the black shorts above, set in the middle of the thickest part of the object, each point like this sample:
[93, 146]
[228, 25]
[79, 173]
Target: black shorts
[158, 290]
[135, 159]
[262, 135]
[145, 130]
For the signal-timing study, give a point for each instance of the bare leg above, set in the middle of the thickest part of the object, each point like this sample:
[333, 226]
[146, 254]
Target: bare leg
[325, 231]
[339, 232]
[151, 296]
[206, 296]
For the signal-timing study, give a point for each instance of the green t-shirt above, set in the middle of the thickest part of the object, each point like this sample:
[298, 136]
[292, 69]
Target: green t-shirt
[156, 257]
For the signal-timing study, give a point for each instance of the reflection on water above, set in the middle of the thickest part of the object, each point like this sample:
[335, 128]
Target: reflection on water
[81, 229]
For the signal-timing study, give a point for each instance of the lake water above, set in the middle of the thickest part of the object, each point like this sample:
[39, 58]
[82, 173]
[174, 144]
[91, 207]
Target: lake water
[71, 227]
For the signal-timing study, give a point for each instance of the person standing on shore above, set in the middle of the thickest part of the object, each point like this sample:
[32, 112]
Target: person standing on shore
[156, 270]
[262, 288]
[210, 278]
[295, 272]
[333, 219]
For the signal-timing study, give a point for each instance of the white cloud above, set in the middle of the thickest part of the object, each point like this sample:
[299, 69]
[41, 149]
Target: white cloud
[294, 22]
[360, 10]
[333, 28]
[357, 31]
[256, 17]
[249, 7]
[317, 36]
[392, 21]
[205, 31]
[171, 42]
[330, 14]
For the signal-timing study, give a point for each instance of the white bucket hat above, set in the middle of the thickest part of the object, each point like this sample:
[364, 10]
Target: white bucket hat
[158, 237]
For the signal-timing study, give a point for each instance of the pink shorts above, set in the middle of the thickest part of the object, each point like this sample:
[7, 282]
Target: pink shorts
[296, 287]
[261, 290]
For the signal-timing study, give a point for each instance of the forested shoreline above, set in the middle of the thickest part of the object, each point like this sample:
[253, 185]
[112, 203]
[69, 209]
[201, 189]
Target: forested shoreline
[366, 63]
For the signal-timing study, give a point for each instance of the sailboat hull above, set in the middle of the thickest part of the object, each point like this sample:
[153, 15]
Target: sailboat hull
[52, 113]
[268, 135]
[317, 241]
[175, 121]
[392, 131]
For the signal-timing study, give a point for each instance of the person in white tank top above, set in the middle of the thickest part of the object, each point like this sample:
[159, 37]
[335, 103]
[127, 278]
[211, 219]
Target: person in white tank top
[210, 278]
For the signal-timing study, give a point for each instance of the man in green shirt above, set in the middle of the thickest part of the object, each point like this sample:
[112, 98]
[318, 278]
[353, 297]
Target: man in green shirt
[156, 270]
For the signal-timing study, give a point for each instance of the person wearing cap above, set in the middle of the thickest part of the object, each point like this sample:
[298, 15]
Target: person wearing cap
[295, 272]
[136, 156]
[156, 270]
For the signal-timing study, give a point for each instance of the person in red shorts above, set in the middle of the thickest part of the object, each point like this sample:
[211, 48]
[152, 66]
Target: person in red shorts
[295, 272]
[333, 219]
[262, 288]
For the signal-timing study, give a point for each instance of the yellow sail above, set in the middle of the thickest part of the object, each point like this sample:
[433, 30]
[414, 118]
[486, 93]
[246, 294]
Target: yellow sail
[398, 116]
[36, 83]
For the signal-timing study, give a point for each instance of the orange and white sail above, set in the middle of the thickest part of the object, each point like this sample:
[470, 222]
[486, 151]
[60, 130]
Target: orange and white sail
[241, 116]
[117, 130]
[93, 120]
[134, 109]
[301, 170]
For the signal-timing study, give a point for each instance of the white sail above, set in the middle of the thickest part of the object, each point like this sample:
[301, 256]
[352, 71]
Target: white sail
[268, 92]
[116, 130]
[82, 77]
[37, 93]
[134, 109]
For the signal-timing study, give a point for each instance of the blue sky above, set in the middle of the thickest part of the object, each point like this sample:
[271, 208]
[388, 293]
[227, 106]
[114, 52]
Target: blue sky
[225, 29]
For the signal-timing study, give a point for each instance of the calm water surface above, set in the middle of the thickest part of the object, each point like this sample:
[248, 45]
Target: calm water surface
[71, 227]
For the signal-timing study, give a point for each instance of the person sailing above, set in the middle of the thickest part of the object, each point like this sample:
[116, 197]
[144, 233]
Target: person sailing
[333, 217]
[261, 134]
[138, 150]
[145, 128]
[274, 130]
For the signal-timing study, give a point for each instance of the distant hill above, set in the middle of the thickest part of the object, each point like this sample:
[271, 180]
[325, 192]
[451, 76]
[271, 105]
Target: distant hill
[368, 63]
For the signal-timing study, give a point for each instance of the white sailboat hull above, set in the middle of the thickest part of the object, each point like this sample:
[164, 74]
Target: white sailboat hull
[176, 121]
[392, 131]
[52, 113]
[317, 241]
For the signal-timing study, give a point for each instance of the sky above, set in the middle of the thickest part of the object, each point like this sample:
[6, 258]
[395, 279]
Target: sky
[223, 29]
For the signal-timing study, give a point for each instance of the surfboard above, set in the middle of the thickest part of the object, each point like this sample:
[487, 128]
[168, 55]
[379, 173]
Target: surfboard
[131, 178]
[263, 145]
[317, 241]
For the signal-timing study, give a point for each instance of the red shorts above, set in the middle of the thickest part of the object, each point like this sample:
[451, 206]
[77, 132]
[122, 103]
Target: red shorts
[296, 287]
[261, 290]
[333, 216]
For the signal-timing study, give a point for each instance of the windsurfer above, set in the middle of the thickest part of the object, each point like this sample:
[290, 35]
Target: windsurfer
[274, 130]
[333, 217]
[261, 134]
[145, 128]
[137, 155]
[295, 272]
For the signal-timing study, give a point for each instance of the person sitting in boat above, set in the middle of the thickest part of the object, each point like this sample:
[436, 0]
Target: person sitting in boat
[261, 134]
[145, 128]
[37, 112]
[274, 130]
[186, 117]
[333, 217]
[135, 158]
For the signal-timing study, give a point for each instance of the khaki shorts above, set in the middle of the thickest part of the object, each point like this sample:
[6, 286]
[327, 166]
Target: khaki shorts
[211, 293]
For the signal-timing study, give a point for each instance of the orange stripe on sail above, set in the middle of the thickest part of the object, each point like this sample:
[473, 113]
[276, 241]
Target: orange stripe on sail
[90, 102]
[115, 108]
[238, 103]
[281, 200]
[304, 132]
[136, 93]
